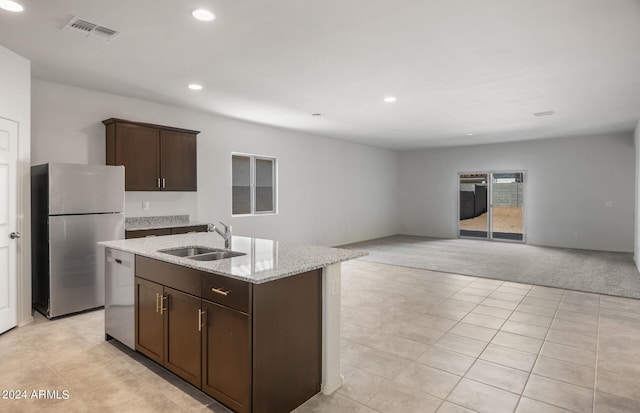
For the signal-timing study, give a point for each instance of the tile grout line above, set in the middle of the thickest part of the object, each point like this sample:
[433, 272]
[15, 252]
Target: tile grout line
[538, 355]
[449, 332]
[497, 331]
[487, 345]
[476, 304]
[595, 371]
[563, 297]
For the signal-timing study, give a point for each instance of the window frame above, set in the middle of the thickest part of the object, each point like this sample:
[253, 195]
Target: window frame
[252, 184]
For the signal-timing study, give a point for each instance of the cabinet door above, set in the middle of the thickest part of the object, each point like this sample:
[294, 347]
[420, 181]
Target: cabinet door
[138, 149]
[182, 326]
[178, 161]
[149, 319]
[226, 356]
[287, 342]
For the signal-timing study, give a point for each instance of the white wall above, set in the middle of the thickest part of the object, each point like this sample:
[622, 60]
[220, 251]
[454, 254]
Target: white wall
[15, 102]
[67, 127]
[330, 192]
[568, 182]
[333, 192]
[636, 246]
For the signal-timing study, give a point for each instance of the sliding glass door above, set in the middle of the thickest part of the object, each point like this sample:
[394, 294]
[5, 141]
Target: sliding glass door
[474, 218]
[506, 206]
[491, 205]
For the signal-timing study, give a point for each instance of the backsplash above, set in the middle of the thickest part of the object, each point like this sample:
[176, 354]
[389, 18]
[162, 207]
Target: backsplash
[153, 204]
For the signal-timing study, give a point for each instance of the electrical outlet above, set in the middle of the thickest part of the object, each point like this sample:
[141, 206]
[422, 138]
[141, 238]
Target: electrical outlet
[145, 205]
[608, 204]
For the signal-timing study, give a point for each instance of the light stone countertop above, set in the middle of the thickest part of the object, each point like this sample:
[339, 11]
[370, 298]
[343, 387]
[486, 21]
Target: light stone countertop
[159, 222]
[265, 260]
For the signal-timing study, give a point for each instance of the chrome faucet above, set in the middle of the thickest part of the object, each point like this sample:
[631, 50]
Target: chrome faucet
[226, 234]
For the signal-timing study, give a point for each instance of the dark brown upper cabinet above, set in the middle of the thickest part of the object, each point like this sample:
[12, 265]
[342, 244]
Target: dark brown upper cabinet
[155, 157]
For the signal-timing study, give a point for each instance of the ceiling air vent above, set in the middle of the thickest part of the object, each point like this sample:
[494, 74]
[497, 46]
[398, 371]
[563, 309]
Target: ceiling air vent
[547, 113]
[88, 29]
[103, 32]
[81, 25]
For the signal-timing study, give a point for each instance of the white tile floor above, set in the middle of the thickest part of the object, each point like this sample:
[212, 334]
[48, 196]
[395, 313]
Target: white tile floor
[413, 341]
[421, 341]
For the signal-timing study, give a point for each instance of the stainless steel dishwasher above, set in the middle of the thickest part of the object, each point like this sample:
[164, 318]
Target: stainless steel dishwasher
[119, 311]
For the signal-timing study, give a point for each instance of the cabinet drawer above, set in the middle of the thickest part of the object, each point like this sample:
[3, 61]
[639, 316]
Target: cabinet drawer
[227, 291]
[171, 275]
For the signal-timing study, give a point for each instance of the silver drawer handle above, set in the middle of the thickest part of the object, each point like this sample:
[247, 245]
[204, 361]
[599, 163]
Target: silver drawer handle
[220, 291]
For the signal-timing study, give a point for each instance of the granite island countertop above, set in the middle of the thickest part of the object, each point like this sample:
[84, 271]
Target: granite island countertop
[264, 260]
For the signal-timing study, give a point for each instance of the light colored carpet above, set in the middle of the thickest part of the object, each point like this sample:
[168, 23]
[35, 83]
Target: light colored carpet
[612, 273]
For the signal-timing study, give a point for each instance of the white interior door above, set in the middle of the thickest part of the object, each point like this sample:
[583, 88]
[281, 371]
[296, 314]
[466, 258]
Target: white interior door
[8, 224]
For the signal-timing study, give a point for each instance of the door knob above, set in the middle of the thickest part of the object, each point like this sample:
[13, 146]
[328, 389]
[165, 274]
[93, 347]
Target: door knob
[15, 235]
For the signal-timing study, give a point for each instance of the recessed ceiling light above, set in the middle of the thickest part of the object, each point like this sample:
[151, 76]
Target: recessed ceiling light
[469, 134]
[316, 114]
[203, 15]
[9, 5]
[390, 99]
[195, 86]
[394, 131]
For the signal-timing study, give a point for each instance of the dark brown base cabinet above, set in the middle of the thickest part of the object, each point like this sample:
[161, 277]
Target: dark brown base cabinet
[141, 233]
[166, 328]
[149, 322]
[253, 347]
[226, 358]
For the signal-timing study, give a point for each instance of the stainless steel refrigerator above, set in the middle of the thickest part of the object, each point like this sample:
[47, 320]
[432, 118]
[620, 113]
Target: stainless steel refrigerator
[72, 208]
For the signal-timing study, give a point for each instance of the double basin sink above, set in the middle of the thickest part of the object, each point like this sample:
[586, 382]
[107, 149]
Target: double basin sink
[202, 253]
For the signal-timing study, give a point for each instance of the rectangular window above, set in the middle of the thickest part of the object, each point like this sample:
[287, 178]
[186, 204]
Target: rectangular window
[241, 178]
[253, 184]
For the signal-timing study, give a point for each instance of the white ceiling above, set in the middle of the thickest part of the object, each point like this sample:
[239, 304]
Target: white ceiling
[456, 66]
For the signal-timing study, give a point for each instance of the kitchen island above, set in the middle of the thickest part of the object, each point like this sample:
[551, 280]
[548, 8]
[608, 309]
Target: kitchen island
[259, 330]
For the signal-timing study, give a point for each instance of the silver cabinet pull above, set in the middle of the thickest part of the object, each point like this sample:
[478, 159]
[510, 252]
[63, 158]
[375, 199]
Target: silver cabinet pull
[159, 183]
[220, 291]
[157, 303]
[15, 235]
[162, 307]
[164, 183]
[200, 314]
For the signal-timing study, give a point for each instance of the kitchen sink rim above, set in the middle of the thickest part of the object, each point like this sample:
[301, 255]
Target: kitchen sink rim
[198, 251]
